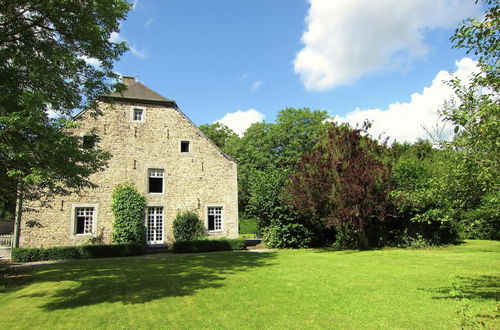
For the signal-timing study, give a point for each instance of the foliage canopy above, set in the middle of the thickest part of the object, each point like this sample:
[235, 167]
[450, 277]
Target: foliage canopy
[45, 52]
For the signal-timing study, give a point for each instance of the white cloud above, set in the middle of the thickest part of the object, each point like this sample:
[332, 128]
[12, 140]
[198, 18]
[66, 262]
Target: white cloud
[256, 85]
[137, 52]
[116, 37]
[346, 39]
[239, 121]
[407, 121]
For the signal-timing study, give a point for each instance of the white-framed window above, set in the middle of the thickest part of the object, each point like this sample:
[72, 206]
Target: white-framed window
[138, 114]
[155, 181]
[154, 225]
[84, 221]
[185, 146]
[215, 219]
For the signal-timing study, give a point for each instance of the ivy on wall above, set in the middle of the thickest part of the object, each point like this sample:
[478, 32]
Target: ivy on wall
[128, 208]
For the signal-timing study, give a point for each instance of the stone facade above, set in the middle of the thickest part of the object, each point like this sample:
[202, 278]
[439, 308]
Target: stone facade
[200, 179]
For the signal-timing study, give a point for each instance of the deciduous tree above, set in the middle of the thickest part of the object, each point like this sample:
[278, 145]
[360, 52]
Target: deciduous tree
[45, 48]
[342, 183]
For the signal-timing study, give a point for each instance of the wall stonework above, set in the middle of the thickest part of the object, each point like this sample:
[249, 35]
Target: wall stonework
[192, 181]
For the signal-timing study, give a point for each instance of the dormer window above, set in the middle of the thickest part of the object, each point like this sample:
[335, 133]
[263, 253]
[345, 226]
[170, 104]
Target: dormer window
[138, 115]
[184, 146]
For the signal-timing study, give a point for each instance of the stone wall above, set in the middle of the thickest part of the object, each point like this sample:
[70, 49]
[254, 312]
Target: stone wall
[192, 181]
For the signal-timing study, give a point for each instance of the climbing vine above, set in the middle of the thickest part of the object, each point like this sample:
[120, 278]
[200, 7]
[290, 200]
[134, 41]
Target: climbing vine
[128, 208]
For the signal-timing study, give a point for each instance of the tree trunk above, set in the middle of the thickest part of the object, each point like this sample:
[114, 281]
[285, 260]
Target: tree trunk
[19, 212]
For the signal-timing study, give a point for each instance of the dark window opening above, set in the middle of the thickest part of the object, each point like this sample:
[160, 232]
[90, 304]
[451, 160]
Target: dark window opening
[155, 181]
[184, 146]
[84, 220]
[155, 185]
[138, 114]
[215, 218]
[89, 141]
[80, 225]
[211, 222]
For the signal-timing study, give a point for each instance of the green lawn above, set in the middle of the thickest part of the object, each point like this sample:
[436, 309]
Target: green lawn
[391, 288]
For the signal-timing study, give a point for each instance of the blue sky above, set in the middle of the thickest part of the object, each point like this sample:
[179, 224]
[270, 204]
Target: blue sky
[219, 57]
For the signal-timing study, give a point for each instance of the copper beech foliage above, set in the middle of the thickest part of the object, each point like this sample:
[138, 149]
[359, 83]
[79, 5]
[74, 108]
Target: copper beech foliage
[343, 182]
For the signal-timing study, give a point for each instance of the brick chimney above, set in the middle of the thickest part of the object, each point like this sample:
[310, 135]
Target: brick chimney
[127, 80]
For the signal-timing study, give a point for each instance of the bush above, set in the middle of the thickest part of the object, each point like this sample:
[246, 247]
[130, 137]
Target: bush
[187, 227]
[206, 245]
[76, 252]
[483, 222]
[417, 241]
[291, 236]
[111, 250]
[128, 209]
[248, 226]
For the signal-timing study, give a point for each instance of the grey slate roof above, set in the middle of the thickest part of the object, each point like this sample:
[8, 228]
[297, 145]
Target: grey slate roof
[138, 91]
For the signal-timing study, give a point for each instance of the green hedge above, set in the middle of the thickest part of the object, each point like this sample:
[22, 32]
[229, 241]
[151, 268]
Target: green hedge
[76, 252]
[206, 245]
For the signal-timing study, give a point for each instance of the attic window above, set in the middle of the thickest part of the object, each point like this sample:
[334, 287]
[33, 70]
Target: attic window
[184, 146]
[155, 181]
[138, 114]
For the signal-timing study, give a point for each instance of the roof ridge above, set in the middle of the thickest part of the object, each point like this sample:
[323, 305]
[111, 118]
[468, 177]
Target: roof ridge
[136, 90]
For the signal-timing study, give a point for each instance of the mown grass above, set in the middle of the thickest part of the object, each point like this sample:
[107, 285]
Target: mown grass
[391, 288]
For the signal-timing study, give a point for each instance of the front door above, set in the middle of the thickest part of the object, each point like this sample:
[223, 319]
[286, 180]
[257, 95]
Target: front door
[155, 225]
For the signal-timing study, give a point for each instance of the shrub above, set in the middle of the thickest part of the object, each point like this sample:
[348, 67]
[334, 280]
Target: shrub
[206, 245]
[187, 227]
[404, 240]
[248, 226]
[111, 250]
[483, 222]
[128, 208]
[76, 252]
[291, 236]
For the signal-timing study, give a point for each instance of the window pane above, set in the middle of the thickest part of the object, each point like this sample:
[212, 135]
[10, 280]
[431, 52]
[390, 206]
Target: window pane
[155, 185]
[215, 218]
[155, 180]
[155, 224]
[84, 220]
[211, 219]
[184, 146]
[138, 114]
[89, 141]
[158, 173]
[80, 225]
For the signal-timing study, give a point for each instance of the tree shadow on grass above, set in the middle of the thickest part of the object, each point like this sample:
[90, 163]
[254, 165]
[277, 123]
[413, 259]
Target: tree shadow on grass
[140, 280]
[484, 287]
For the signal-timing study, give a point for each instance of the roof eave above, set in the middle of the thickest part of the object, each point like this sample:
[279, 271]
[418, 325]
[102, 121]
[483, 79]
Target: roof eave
[139, 100]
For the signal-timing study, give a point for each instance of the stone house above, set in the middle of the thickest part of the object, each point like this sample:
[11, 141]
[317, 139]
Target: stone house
[157, 148]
